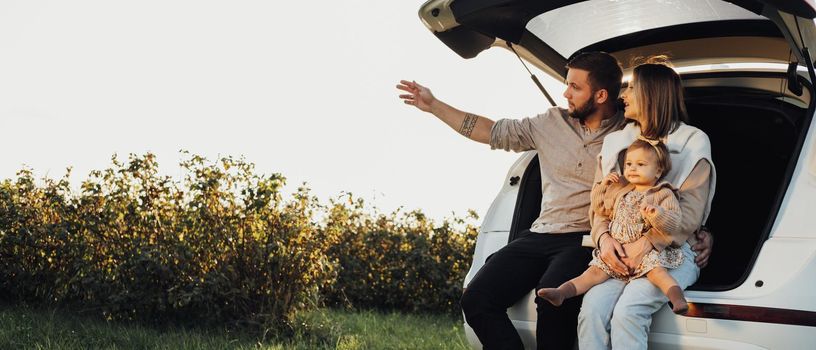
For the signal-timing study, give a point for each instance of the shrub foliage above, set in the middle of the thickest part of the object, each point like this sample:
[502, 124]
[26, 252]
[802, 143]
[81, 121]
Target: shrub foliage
[398, 261]
[220, 245]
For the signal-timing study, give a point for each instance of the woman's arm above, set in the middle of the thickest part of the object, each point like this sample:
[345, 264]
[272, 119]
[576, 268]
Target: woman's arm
[693, 197]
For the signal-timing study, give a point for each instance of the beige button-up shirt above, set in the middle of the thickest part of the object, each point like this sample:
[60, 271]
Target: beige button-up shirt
[568, 153]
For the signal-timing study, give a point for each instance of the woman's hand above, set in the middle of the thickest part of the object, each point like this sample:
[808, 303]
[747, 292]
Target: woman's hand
[611, 254]
[635, 252]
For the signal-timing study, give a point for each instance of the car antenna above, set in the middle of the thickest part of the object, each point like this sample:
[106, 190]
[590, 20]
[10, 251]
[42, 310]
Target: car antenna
[532, 76]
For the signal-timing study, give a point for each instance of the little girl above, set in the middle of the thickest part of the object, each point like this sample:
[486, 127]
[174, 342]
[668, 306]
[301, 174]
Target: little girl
[634, 206]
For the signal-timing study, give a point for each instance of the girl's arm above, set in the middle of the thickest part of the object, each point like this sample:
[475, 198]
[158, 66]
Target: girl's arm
[665, 218]
[598, 217]
[611, 250]
[692, 199]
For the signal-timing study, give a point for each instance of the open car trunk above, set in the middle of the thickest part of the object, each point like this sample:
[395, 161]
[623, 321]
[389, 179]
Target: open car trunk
[756, 138]
[549, 32]
[748, 76]
[755, 123]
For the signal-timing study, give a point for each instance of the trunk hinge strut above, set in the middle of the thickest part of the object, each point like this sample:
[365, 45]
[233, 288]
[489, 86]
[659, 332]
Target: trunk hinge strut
[806, 55]
[532, 76]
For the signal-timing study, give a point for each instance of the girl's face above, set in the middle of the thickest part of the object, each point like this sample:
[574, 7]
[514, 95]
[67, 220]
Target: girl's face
[640, 167]
[631, 109]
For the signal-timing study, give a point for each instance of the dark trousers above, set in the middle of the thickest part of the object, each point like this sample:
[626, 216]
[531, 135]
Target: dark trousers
[535, 260]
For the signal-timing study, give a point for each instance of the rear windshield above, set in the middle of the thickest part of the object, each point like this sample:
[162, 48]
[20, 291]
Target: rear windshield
[571, 28]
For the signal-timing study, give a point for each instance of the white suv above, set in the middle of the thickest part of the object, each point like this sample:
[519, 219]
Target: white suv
[748, 85]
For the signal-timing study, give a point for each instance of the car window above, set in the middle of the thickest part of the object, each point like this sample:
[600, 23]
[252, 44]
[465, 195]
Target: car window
[570, 28]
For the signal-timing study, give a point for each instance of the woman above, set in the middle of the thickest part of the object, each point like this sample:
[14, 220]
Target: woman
[654, 106]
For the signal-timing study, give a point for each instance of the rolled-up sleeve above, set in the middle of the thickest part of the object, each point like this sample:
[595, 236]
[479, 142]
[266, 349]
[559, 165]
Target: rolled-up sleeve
[516, 135]
[693, 196]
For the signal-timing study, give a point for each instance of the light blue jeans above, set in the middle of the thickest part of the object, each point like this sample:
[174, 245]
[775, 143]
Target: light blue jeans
[626, 309]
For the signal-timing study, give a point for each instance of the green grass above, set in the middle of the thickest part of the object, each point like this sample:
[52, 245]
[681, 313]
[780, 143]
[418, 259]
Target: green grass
[27, 328]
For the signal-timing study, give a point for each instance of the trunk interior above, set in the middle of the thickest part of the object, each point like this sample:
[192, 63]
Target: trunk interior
[756, 139]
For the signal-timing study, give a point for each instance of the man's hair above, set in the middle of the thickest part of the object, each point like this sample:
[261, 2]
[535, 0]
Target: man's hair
[604, 71]
[659, 92]
[660, 151]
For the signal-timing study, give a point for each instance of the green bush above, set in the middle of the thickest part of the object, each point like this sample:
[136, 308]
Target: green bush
[400, 261]
[219, 245]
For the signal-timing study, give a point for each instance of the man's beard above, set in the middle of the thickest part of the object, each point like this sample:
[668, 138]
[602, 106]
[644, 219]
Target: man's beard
[583, 112]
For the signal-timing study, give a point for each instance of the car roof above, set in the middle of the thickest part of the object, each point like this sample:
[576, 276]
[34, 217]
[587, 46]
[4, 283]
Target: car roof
[548, 33]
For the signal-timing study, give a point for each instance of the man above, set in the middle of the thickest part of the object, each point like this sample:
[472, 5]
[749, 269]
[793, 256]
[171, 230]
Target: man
[550, 252]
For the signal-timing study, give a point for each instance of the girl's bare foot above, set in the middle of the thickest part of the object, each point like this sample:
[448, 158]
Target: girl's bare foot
[556, 296]
[677, 301]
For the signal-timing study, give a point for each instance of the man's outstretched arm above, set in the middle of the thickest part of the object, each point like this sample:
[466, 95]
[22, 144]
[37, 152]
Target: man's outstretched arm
[472, 126]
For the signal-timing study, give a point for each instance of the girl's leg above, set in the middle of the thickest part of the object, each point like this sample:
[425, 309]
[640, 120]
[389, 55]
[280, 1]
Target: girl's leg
[576, 286]
[660, 277]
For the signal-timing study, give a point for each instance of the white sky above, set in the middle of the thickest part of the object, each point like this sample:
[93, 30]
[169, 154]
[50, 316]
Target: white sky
[301, 88]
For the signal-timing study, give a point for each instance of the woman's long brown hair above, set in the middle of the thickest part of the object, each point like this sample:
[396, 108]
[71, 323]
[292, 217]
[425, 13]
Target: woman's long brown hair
[660, 98]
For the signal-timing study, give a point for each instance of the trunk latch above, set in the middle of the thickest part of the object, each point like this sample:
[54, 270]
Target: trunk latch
[514, 180]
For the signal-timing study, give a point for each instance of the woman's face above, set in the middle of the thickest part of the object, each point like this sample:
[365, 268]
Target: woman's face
[631, 110]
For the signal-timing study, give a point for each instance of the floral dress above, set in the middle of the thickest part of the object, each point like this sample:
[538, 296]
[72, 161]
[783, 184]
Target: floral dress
[627, 226]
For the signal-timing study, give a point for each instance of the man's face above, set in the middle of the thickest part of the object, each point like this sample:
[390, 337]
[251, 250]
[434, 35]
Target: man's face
[579, 94]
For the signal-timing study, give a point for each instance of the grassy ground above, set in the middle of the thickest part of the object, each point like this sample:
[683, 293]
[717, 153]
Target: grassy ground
[26, 328]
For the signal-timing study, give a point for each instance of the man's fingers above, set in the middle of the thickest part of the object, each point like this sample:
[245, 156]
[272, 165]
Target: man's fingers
[410, 84]
[703, 248]
[406, 88]
[410, 97]
[701, 261]
[702, 255]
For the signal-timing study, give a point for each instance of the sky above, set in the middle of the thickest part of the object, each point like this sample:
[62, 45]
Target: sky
[305, 89]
